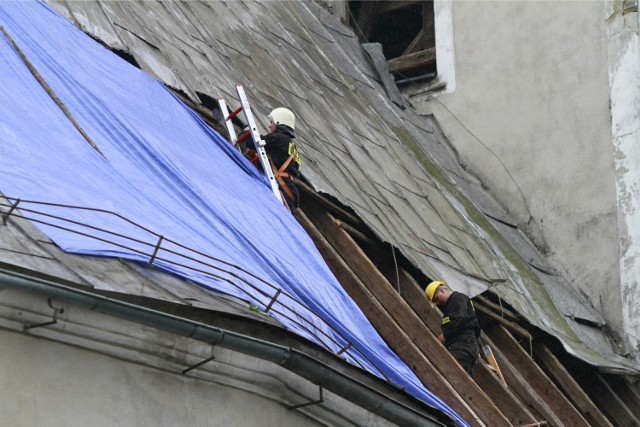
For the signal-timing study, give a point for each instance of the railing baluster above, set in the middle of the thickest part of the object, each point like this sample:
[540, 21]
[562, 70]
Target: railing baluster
[5, 217]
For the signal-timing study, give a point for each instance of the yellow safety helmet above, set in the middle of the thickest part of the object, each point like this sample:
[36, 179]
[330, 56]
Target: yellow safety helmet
[431, 289]
[283, 116]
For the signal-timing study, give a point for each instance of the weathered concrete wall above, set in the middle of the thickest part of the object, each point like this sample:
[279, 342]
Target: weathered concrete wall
[52, 384]
[529, 115]
[624, 76]
[93, 369]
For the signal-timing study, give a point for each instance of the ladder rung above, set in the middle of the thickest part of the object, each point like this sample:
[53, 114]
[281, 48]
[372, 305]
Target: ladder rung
[243, 137]
[235, 113]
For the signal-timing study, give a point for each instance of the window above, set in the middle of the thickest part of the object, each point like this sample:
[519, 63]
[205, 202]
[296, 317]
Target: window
[405, 29]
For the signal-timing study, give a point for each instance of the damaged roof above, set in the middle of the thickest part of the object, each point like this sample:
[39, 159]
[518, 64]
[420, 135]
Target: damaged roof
[393, 167]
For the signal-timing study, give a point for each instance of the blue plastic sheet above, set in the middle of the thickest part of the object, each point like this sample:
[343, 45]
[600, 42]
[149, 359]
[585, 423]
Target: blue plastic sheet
[161, 167]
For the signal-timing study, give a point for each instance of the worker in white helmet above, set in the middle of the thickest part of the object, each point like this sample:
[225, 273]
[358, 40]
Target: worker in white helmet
[283, 154]
[460, 330]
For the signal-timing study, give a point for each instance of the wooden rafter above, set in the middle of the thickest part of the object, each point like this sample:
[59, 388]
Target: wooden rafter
[366, 19]
[409, 324]
[509, 402]
[416, 45]
[428, 25]
[498, 309]
[413, 61]
[328, 204]
[512, 327]
[610, 402]
[536, 379]
[392, 6]
[570, 387]
[628, 394]
[384, 323]
[519, 384]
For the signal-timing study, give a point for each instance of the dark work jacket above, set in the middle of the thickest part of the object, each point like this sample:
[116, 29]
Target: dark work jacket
[278, 149]
[459, 319]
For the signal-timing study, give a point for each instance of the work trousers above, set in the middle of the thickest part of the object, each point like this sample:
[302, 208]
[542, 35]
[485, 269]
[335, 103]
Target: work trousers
[466, 351]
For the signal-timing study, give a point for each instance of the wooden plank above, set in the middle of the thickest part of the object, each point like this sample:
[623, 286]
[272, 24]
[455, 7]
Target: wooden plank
[411, 324]
[508, 402]
[536, 378]
[414, 296]
[499, 310]
[328, 204]
[609, 402]
[366, 18]
[626, 393]
[511, 327]
[391, 6]
[520, 386]
[428, 25]
[385, 325]
[356, 234]
[570, 387]
[408, 287]
[416, 45]
[413, 61]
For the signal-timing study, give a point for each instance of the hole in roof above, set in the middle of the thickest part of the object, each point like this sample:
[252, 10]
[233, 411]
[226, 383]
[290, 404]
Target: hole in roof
[405, 30]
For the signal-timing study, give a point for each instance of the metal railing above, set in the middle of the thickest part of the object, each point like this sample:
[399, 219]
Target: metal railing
[279, 302]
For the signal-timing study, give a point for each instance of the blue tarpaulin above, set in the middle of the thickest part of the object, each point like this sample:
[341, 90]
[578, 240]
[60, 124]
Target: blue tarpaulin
[160, 166]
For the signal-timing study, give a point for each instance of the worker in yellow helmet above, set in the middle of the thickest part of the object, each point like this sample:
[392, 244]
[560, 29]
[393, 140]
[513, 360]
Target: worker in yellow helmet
[460, 330]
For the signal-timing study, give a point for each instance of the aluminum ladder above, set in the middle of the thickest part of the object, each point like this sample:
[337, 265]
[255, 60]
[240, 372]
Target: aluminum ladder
[258, 142]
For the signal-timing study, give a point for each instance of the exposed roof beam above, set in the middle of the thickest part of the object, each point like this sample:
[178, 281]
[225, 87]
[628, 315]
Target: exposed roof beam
[408, 323]
[382, 321]
[413, 61]
[520, 385]
[392, 6]
[417, 44]
[610, 402]
[536, 378]
[628, 393]
[498, 309]
[570, 387]
[512, 327]
[328, 204]
[510, 404]
[366, 18]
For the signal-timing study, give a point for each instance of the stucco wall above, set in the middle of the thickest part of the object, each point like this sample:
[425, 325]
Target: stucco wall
[529, 115]
[624, 76]
[45, 383]
[93, 369]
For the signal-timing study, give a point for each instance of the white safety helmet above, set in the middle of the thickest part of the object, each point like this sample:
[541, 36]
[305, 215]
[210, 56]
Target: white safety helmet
[283, 116]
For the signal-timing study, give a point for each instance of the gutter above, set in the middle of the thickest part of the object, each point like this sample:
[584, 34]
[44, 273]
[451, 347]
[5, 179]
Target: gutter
[301, 364]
